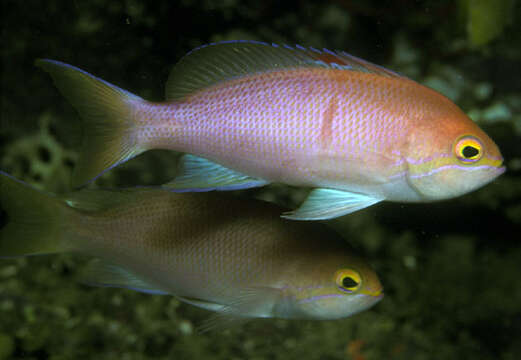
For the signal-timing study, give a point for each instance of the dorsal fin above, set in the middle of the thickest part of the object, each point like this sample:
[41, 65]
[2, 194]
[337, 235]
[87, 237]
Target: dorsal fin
[213, 63]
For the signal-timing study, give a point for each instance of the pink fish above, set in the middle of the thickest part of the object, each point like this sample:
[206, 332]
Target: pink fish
[250, 113]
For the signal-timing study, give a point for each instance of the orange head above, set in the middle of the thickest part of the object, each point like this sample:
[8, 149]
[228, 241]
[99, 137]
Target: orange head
[447, 153]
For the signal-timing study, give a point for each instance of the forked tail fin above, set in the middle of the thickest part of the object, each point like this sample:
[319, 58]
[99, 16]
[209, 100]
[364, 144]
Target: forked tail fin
[110, 136]
[30, 221]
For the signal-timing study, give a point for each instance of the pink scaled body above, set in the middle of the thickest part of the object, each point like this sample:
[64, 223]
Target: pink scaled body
[309, 127]
[251, 113]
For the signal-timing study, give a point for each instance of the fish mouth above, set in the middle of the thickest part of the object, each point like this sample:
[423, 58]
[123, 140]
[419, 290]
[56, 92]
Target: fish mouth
[490, 175]
[377, 298]
[378, 293]
[496, 172]
[496, 164]
[368, 301]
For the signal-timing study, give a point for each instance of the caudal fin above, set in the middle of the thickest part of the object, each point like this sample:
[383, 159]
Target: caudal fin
[107, 111]
[29, 220]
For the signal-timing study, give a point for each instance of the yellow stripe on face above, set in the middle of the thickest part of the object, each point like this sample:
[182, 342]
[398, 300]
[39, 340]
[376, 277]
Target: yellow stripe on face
[419, 168]
[377, 292]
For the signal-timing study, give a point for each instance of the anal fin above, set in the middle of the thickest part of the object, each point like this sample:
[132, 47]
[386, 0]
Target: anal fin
[322, 204]
[197, 174]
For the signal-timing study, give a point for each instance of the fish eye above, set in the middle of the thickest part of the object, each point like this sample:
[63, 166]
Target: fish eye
[468, 149]
[348, 280]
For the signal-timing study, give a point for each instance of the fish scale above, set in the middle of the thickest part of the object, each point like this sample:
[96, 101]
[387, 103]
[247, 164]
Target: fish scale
[296, 134]
[243, 262]
[248, 114]
[158, 221]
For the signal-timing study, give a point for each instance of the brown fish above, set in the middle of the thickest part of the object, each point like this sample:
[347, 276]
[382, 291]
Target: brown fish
[233, 256]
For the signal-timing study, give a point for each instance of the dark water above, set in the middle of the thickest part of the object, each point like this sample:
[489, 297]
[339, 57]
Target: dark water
[451, 270]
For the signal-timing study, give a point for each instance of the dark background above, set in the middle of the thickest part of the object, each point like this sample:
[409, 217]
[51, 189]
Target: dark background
[451, 270]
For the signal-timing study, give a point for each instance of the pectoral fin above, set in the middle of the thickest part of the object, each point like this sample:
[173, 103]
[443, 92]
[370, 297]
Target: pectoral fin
[248, 303]
[207, 305]
[100, 273]
[322, 204]
[198, 174]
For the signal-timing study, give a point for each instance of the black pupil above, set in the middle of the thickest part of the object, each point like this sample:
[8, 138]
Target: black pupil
[470, 151]
[348, 282]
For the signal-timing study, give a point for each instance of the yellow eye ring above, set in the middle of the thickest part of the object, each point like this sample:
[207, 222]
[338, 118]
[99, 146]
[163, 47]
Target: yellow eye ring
[348, 280]
[468, 149]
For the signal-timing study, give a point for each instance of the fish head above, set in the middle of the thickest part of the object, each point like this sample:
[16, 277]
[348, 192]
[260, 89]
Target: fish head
[451, 156]
[340, 292]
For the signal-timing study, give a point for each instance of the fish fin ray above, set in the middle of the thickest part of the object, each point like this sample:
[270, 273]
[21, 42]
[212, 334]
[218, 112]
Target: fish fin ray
[103, 274]
[30, 220]
[362, 65]
[248, 304]
[110, 137]
[199, 174]
[92, 200]
[221, 321]
[216, 62]
[322, 204]
[207, 305]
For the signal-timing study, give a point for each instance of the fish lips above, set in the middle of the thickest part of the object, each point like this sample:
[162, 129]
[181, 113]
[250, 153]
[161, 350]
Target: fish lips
[362, 302]
[500, 170]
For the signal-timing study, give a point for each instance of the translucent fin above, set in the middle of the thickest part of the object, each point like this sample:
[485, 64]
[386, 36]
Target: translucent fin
[107, 111]
[100, 273]
[221, 321]
[213, 63]
[198, 174]
[249, 303]
[353, 63]
[29, 220]
[97, 200]
[202, 304]
[322, 204]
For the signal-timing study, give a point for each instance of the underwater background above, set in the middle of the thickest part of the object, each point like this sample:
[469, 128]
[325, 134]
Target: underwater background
[451, 270]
